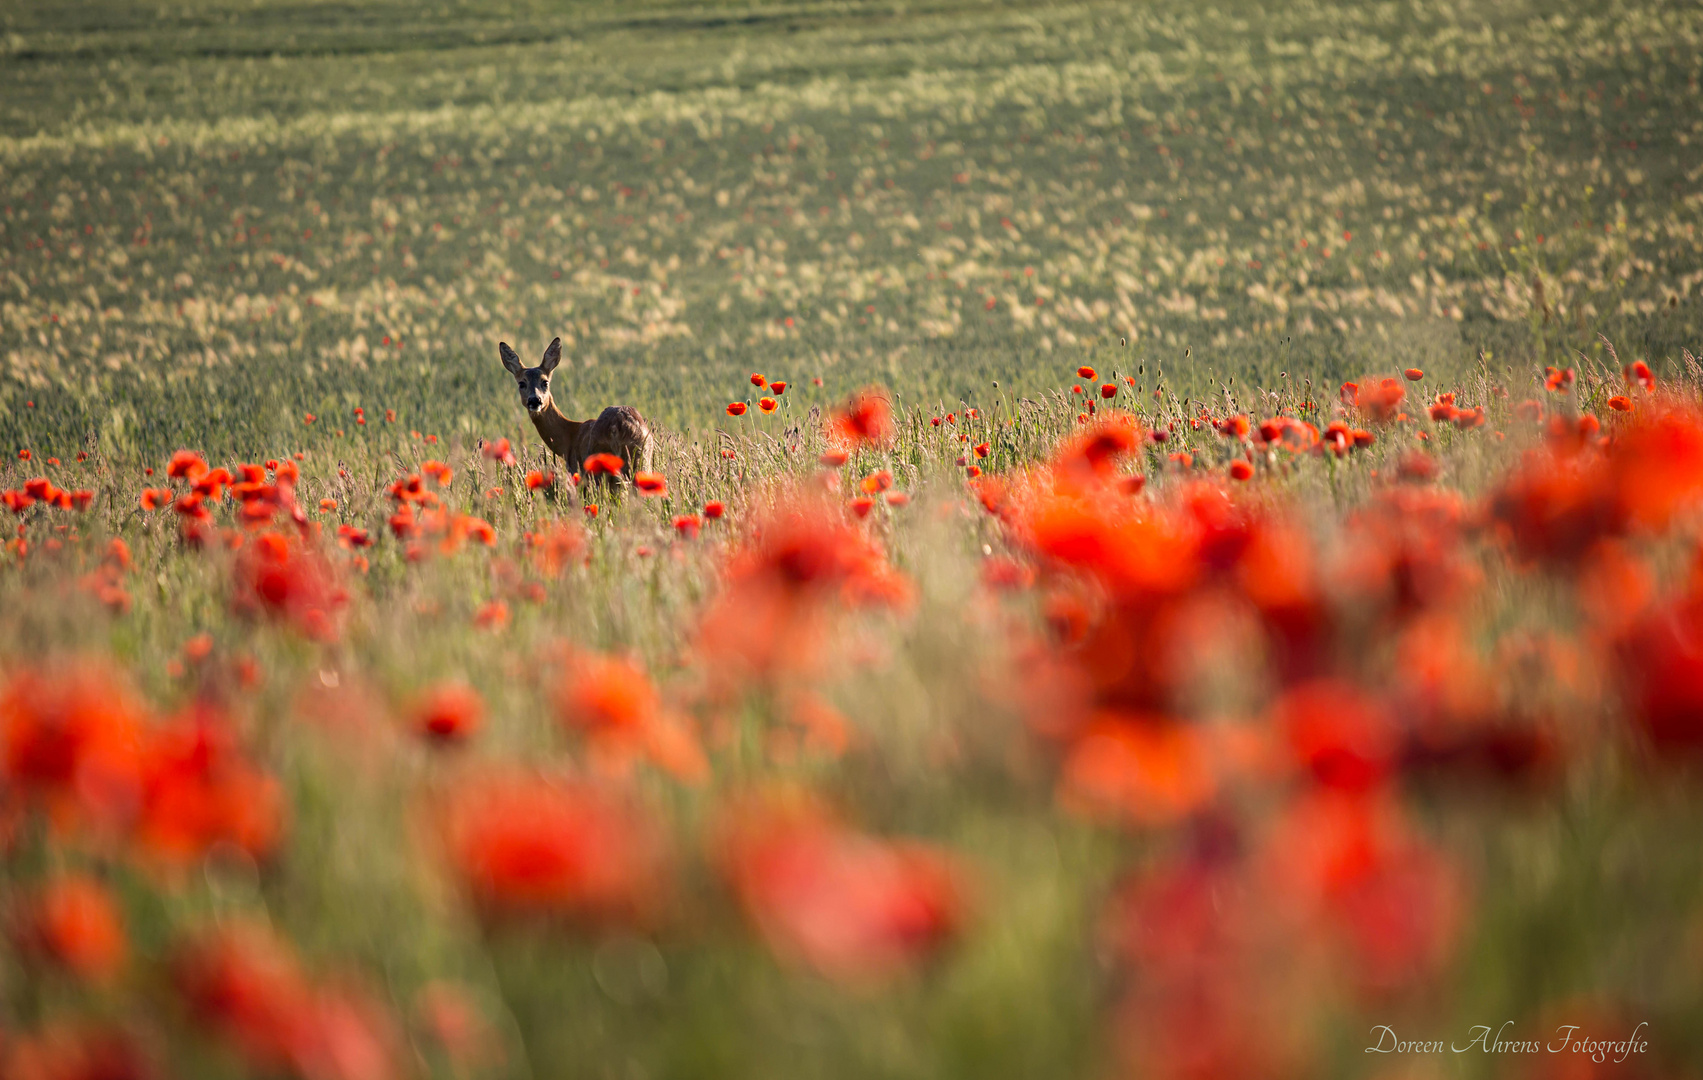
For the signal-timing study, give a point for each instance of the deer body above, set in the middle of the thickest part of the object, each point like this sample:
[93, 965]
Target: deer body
[618, 430]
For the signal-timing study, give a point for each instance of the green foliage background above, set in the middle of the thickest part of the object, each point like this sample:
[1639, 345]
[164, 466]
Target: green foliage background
[213, 214]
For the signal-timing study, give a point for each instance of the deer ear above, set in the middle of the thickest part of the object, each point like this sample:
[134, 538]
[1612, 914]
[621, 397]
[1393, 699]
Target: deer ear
[552, 356]
[510, 359]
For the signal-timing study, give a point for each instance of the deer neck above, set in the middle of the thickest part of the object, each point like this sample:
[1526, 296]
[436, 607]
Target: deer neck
[558, 432]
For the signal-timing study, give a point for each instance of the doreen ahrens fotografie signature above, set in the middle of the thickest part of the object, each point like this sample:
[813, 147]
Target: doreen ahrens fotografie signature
[1567, 1039]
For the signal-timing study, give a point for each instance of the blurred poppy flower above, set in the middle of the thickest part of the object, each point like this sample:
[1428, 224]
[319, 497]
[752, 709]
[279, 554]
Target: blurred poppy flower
[452, 1022]
[74, 922]
[1148, 771]
[876, 482]
[1086, 372]
[524, 845]
[72, 740]
[604, 465]
[492, 615]
[242, 984]
[1414, 374]
[498, 450]
[852, 907]
[713, 509]
[285, 578]
[1241, 470]
[867, 419]
[448, 713]
[650, 484]
[199, 791]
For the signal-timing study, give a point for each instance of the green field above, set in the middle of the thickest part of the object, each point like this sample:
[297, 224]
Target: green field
[212, 216]
[1171, 741]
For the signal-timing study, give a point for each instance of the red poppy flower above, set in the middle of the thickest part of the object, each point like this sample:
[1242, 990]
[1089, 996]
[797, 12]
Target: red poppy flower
[1620, 403]
[687, 525]
[530, 846]
[448, 713]
[736, 408]
[604, 465]
[493, 615]
[536, 480]
[855, 908]
[1146, 770]
[714, 509]
[327, 505]
[284, 578]
[866, 419]
[862, 505]
[212, 483]
[1086, 372]
[1414, 374]
[898, 498]
[650, 484]
[71, 737]
[186, 465]
[440, 473]
[244, 985]
[1241, 470]
[1638, 374]
[778, 388]
[877, 482]
[498, 450]
[758, 380]
[767, 404]
[1109, 390]
[201, 792]
[1339, 734]
[74, 922]
[833, 459]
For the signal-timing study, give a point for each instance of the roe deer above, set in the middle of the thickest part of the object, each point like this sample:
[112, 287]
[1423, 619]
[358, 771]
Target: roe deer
[619, 430]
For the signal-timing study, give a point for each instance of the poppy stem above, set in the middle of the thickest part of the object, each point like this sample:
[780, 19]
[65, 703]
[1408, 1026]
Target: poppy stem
[521, 1033]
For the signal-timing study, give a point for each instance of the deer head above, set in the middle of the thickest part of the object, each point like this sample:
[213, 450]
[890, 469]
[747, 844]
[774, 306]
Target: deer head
[534, 381]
